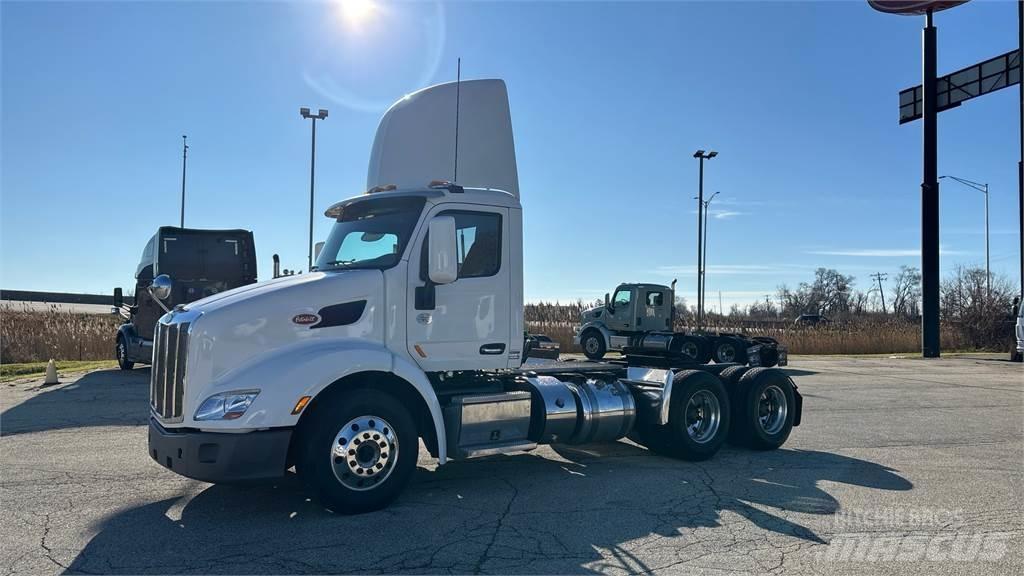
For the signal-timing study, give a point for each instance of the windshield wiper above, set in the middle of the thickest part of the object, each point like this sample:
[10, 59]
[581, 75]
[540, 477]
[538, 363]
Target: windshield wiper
[342, 262]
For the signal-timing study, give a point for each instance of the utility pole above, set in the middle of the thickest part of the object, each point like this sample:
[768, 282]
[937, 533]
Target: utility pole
[881, 276]
[184, 159]
[322, 114]
[701, 155]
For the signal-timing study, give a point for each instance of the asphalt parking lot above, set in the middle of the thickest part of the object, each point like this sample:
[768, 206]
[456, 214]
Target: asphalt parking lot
[901, 466]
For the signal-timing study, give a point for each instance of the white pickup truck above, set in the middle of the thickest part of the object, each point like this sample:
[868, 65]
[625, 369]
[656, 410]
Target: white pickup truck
[411, 328]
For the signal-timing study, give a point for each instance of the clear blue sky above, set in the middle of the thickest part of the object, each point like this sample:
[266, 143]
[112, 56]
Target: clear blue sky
[609, 101]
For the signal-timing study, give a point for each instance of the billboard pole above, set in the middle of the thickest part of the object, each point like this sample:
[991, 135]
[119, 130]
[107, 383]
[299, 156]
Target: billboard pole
[929, 197]
[1020, 163]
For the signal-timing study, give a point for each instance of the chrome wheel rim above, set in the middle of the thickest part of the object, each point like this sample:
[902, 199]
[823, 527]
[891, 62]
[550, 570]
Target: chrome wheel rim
[772, 410]
[591, 345]
[122, 354]
[703, 415]
[364, 452]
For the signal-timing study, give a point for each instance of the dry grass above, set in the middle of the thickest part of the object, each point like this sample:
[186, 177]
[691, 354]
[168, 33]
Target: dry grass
[10, 372]
[855, 337]
[36, 336]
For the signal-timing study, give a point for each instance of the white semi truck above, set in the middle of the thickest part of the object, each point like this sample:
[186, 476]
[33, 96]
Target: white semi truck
[411, 328]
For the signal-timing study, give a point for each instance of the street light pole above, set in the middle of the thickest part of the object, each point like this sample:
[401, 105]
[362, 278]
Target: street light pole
[983, 188]
[704, 254]
[322, 114]
[701, 156]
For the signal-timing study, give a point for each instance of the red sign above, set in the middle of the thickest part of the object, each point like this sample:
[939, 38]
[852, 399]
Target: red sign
[912, 7]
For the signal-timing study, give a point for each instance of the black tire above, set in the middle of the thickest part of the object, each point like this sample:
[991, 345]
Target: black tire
[320, 467]
[592, 343]
[696, 348]
[729, 349]
[673, 439]
[760, 392]
[121, 351]
[731, 378]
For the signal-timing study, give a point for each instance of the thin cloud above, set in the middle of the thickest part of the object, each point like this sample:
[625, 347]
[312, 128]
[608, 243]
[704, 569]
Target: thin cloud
[732, 269]
[722, 214]
[882, 252]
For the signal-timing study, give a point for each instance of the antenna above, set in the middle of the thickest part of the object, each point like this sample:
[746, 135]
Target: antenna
[458, 94]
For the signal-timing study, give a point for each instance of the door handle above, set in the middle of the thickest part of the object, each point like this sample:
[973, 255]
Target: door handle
[496, 348]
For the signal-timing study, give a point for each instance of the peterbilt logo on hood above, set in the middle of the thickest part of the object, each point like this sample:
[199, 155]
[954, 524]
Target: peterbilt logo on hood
[305, 319]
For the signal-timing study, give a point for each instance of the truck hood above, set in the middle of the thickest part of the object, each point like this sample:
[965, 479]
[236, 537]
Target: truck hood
[231, 328]
[591, 314]
[251, 290]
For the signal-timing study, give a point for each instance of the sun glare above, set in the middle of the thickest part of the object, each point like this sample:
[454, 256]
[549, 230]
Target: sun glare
[357, 12]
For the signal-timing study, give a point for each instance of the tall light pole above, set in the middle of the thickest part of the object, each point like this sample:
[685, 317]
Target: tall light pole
[184, 159]
[704, 254]
[701, 156]
[983, 188]
[322, 114]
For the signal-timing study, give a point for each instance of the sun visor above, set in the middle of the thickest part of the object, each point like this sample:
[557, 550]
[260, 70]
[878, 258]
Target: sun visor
[415, 141]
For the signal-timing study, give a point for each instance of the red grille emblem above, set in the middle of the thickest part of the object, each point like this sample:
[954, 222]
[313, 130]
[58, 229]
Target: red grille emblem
[305, 319]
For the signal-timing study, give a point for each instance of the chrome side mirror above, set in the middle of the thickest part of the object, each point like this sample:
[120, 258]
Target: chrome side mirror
[442, 268]
[160, 289]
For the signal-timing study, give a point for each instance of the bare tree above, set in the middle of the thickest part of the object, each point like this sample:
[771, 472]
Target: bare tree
[906, 293]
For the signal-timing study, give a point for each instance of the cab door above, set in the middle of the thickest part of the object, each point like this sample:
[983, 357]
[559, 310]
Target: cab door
[621, 316]
[467, 326]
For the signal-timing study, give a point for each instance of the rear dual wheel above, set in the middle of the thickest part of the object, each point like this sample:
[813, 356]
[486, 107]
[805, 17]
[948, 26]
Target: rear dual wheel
[765, 406]
[729, 349]
[696, 348]
[698, 420]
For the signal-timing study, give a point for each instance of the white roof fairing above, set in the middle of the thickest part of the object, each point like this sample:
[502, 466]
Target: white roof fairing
[415, 141]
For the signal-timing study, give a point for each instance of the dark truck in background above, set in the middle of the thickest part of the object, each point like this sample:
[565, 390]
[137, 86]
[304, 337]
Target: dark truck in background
[179, 265]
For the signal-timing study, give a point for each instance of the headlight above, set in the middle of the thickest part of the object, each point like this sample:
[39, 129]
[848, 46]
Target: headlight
[226, 405]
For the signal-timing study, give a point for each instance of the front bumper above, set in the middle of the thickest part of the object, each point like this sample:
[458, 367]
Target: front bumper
[220, 457]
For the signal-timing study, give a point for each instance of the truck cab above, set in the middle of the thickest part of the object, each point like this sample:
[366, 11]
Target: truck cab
[410, 329]
[630, 309]
[197, 263]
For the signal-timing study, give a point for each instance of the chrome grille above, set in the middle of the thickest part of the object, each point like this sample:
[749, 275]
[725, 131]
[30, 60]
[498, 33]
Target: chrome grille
[167, 377]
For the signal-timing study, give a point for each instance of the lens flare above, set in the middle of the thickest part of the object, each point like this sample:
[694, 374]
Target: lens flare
[357, 12]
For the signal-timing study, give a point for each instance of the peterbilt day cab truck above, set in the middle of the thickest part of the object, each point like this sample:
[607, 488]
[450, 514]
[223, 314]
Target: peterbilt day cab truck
[199, 263]
[640, 318]
[411, 328]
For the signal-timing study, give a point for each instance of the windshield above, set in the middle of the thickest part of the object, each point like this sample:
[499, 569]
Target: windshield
[370, 234]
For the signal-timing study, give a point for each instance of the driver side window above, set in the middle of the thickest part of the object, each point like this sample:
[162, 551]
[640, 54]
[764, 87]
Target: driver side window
[622, 298]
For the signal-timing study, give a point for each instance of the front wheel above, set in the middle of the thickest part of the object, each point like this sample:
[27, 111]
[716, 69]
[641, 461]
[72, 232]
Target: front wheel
[360, 451]
[593, 345]
[122, 354]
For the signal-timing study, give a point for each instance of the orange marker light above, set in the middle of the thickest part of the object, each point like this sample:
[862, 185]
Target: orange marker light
[301, 404]
[420, 351]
